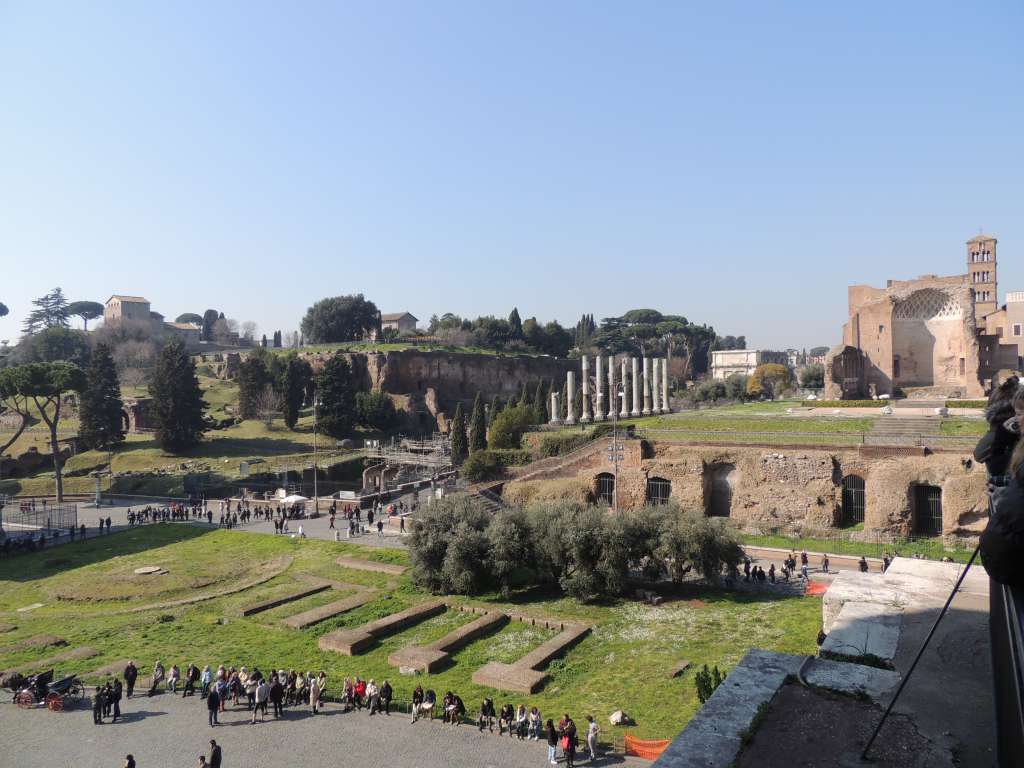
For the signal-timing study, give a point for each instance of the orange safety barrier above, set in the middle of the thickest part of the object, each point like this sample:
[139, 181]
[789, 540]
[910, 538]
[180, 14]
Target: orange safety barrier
[815, 588]
[649, 749]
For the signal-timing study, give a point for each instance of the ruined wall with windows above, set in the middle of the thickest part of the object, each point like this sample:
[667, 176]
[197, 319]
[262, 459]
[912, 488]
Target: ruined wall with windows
[797, 489]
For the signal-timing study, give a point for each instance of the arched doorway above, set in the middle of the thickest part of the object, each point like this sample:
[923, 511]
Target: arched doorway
[659, 490]
[853, 500]
[605, 488]
[718, 485]
[927, 510]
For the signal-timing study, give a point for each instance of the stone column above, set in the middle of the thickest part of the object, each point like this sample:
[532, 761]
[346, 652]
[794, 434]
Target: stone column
[599, 390]
[624, 407]
[647, 387]
[636, 387]
[655, 385]
[556, 410]
[570, 404]
[585, 416]
[665, 407]
[612, 405]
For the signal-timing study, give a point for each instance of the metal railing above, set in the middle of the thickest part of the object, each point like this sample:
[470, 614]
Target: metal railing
[916, 440]
[1006, 631]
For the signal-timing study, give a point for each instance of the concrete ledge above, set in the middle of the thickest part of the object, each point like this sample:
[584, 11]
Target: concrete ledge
[289, 598]
[324, 612]
[865, 629]
[851, 678]
[353, 641]
[426, 660]
[369, 565]
[712, 738]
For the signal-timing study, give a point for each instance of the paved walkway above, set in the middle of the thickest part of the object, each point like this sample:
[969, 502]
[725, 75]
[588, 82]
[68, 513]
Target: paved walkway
[167, 731]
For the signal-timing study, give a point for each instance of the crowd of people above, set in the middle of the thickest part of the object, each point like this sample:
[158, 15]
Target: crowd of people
[273, 692]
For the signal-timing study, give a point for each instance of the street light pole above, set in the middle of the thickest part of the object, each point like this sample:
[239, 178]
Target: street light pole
[615, 451]
[316, 498]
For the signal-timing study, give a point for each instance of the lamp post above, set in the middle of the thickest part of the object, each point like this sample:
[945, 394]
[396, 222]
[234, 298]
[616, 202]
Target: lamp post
[615, 449]
[316, 422]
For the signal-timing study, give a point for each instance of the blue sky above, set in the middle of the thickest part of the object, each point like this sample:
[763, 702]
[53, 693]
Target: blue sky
[736, 163]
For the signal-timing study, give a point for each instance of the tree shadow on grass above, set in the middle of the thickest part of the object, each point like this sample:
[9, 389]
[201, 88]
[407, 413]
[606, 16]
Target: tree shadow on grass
[53, 561]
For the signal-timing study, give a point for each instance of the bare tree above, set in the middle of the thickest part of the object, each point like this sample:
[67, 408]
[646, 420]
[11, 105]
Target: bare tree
[269, 405]
[249, 330]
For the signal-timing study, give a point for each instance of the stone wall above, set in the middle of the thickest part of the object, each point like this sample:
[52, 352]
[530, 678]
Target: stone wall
[796, 489]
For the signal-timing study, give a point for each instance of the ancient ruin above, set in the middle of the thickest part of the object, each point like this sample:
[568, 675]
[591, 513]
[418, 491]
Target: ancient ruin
[929, 333]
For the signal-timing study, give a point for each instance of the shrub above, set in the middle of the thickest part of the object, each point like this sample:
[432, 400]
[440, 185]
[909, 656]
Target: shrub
[481, 466]
[526, 491]
[508, 427]
[706, 682]
[561, 443]
[847, 403]
[966, 403]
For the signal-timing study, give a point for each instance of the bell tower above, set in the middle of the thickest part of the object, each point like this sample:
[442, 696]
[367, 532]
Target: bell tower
[981, 272]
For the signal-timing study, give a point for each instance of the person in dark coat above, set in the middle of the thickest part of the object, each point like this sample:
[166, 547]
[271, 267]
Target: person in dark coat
[115, 696]
[212, 705]
[277, 696]
[386, 693]
[996, 447]
[1002, 541]
[569, 741]
[130, 673]
[214, 761]
[97, 706]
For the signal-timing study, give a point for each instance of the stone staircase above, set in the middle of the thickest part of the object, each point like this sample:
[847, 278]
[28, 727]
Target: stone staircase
[902, 430]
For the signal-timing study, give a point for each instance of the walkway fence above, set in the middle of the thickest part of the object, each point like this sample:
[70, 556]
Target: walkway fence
[824, 439]
[30, 516]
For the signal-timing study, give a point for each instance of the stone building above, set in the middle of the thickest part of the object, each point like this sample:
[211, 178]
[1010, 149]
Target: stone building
[726, 362]
[890, 490]
[402, 322]
[932, 332]
[136, 309]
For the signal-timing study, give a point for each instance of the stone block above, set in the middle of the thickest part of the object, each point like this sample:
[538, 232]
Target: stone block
[324, 612]
[864, 629]
[346, 641]
[678, 669]
[371, 566]
[509, 677]
[561, 642]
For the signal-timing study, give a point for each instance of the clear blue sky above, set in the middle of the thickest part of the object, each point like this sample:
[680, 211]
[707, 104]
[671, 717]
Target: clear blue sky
[739, 164]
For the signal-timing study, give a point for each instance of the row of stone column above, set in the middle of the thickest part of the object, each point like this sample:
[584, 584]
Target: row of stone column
[650, 390]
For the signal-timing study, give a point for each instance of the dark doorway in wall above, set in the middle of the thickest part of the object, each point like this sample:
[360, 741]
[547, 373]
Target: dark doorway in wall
[927, 510]
[853, 500]
[718, 486]
[605, 488]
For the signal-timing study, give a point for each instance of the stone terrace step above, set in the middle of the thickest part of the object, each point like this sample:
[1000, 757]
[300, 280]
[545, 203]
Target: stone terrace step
[353, 641]
[324, 612]
[369, 565]
[431, 658]
[289, 598]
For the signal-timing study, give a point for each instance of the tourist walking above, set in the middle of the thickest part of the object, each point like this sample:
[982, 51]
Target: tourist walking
[568, 729]
[593, 729]
[212, 706]
[417, 702]
[97, 706]
[314, 693]
[215, 755]
[549, 728]
[262, 693]
[115, 696]
[824, 563]
[129, 761]
[130, 673]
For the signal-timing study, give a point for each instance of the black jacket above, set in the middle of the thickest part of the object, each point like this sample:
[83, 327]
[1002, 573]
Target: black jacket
[1002, 541]
[996, 447]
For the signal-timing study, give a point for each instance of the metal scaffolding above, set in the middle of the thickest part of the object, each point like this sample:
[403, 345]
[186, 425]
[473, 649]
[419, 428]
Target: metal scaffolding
[404, 460]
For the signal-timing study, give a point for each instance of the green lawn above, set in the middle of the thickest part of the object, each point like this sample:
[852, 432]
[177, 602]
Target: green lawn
[959, 426]
[88, 588]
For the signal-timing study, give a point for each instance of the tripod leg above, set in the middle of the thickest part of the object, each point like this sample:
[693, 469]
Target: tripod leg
[920, 653]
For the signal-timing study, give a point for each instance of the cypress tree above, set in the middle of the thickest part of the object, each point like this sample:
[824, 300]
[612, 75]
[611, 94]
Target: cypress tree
[540, 406]
[460, 443]
[252, 378]
[336, 391]
[525, 398]
[494, 410]
[478, 426]
[101, 410]
[263, 341]
[294, 381]
[177, 400]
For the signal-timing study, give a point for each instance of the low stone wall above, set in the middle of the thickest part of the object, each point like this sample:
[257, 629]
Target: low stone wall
[526, 675]
[291, 597]
[430, 658]
[352, 641]
[370, 565]
[324, 612]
